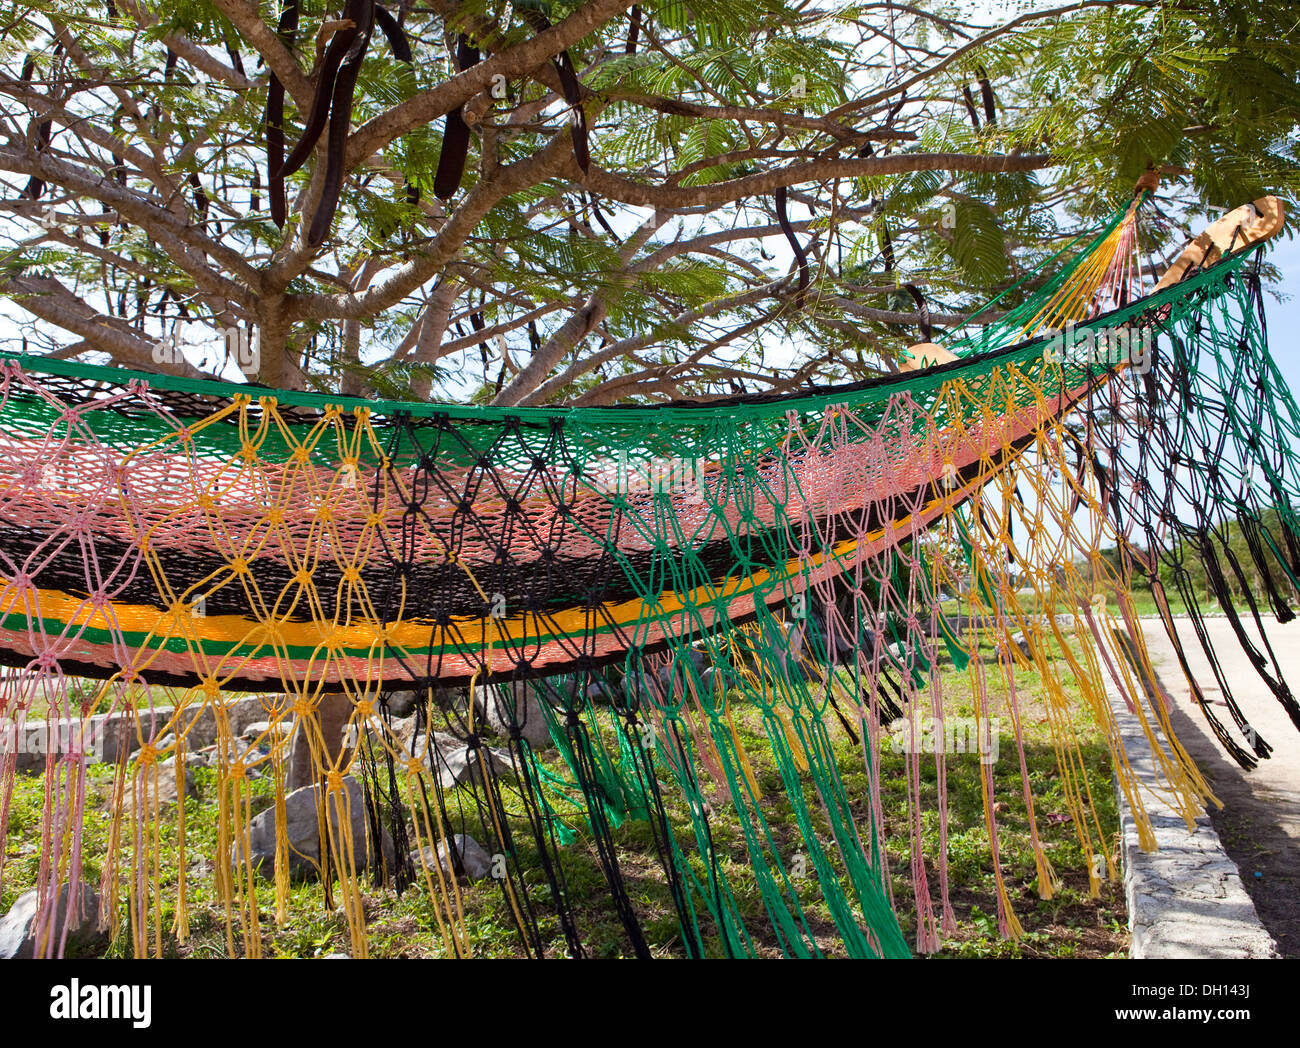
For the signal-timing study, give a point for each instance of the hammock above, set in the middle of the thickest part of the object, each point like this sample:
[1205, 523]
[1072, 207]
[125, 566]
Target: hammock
[634, 577]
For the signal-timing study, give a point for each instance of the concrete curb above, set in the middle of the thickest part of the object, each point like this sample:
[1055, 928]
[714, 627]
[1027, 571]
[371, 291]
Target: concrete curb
[1186, 899]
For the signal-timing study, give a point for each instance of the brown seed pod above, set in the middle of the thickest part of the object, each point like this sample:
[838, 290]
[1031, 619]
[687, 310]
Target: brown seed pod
[274, 122]
[339, 47]
[35, 188]
[783, 217]
[570, 87]
[397, 38]
[986, 92]
[340, 122]
[633, 29]
[922, 309]
[969, 99]
[400, 45]
[455, 133]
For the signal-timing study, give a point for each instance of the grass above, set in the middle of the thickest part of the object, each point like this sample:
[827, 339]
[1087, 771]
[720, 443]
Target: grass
[1144, 603]
[1071, 924]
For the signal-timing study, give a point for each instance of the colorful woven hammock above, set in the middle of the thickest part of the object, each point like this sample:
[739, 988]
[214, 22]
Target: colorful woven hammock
[634, 576]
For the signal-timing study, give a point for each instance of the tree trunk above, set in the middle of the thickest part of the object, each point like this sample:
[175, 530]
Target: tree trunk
[279, 363]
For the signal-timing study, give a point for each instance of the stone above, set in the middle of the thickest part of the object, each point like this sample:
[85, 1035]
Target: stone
[639, 691]
[797, 655]
[796, 641]
[462, 699]
[474, 859]
[235, 750]
[167, 792]
[303, 831]
[333, 713]
[456, 764]
[524, 707]
[404, 703]
[192, 760]
[406, 735]
[670, 680]
[1022, 643]
[259, 728]
[601, 693]
[371, 725]
[18, 930]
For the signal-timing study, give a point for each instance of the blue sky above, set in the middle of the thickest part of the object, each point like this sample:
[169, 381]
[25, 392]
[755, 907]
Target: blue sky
[1284, 317]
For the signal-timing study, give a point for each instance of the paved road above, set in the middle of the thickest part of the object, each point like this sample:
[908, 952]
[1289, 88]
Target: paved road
[1260, 821]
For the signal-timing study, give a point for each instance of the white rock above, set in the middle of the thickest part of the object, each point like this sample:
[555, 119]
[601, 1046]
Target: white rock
[455, 764]
[18, 931]
[259, 728]
[303, 830]
[475, 860]
[403, 703]
[192, 760]
[167, 792]
[516, 702]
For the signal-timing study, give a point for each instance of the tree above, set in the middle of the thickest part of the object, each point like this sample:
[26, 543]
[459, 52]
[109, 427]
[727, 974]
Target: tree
[591, 202]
